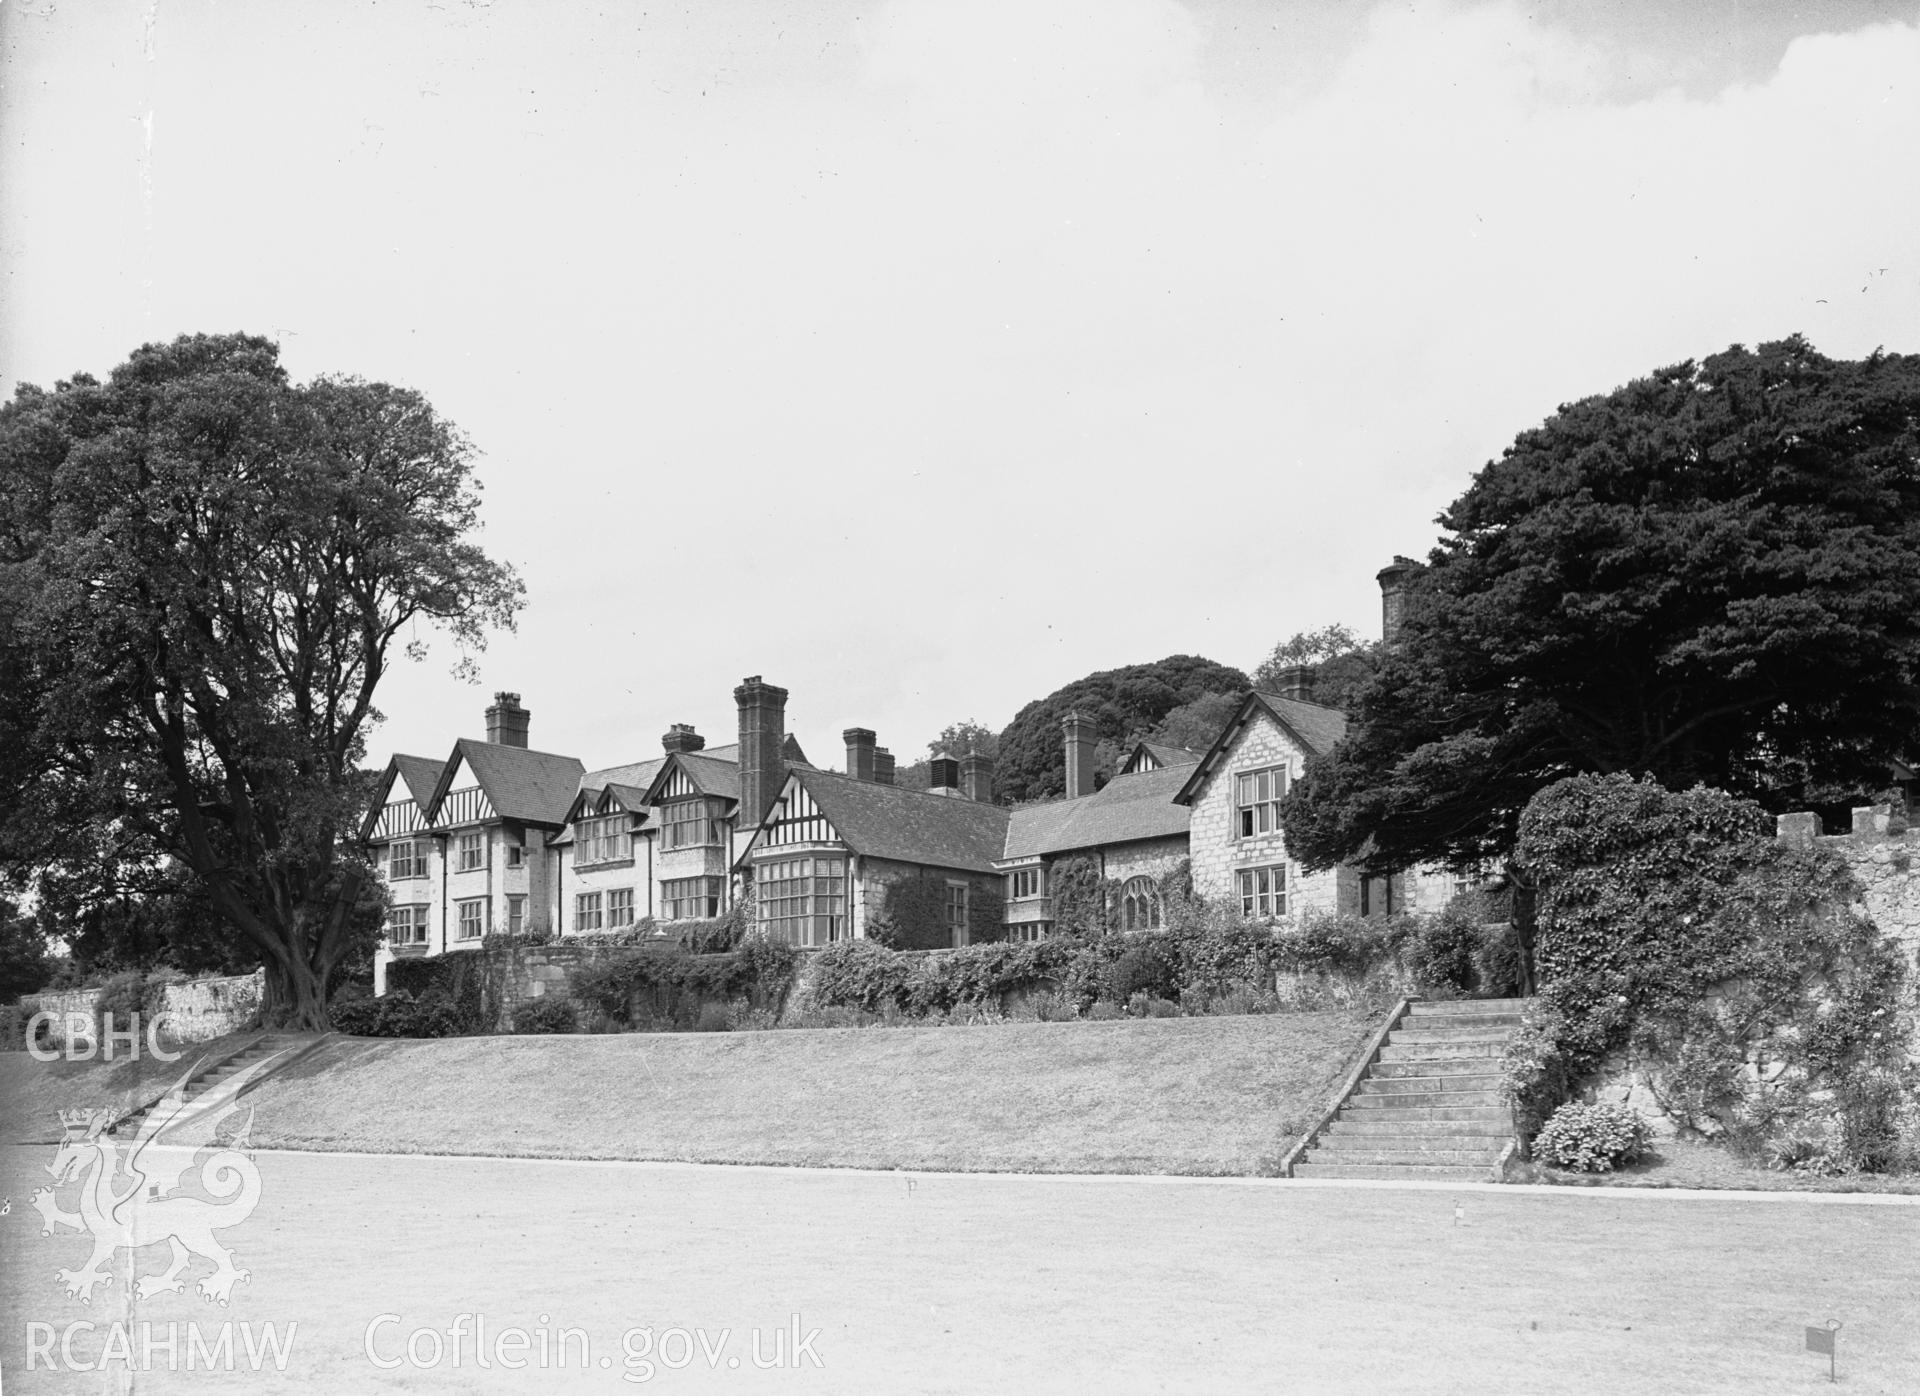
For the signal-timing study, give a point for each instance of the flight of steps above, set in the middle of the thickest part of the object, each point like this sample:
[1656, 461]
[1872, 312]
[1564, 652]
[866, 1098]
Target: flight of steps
[1430, 1106]
[264, 1045]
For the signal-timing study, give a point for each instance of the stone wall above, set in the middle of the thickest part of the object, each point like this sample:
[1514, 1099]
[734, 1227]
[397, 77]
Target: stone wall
[1884, 854]
[197, 1010]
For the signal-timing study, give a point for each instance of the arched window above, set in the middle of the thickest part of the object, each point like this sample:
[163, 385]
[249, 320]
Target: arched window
[1140, 905]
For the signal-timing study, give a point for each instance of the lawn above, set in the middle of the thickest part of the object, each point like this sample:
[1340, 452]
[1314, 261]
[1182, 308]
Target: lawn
[1220, 1095]
[970, 1283]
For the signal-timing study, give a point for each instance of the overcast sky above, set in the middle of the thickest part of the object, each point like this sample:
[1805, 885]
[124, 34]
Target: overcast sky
[924, 357]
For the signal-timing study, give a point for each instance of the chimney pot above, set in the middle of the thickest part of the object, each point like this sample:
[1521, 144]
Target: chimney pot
[682, 737]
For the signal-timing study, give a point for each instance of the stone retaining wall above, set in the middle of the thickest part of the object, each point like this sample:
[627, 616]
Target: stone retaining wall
[197, 1010]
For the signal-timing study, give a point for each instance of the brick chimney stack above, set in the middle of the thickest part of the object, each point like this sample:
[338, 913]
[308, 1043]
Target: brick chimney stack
[763, 732]
[1080, 739]
[682, 737]
[976, 777]
[860, 752]
[882, 766]
[507, 721]
[1295, 681]
[1394, 580]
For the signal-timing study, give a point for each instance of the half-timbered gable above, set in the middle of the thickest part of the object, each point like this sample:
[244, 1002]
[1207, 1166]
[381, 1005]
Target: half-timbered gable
[831, 848]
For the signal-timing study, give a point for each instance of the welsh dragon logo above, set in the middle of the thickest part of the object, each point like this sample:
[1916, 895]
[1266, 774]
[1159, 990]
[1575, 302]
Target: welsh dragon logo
[148, 1203]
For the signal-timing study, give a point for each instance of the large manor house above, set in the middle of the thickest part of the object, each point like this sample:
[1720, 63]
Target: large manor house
[501, 837]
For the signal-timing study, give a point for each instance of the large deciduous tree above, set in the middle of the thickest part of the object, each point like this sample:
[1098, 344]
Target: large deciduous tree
[206, 567]
[1710, 575]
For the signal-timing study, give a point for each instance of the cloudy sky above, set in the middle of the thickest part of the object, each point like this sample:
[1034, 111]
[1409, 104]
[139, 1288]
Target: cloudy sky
[921, 356]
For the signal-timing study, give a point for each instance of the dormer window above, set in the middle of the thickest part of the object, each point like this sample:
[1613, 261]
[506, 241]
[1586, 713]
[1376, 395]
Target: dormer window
[607, 840]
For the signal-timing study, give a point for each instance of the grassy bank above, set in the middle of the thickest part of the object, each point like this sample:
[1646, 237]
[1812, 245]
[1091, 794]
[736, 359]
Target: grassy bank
[1179, 1095]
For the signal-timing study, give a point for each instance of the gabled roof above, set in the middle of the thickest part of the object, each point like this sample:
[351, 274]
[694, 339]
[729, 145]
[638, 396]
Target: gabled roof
[706, 774]
[631, 798]
[1147, 755]
[416, 775]
[421, 774]
[1312, 725]
[594, 800]
[537, 787]
[908, 826]
[1129, 807]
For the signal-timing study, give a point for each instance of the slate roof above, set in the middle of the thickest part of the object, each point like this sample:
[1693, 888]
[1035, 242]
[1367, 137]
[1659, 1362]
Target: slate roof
[1319, 727]
[909, 826]
[636, 773]
[535, 786]
[709, 777]
[1165, 755]
[1127, 808]
[1316, 727]
[632, 798]
[421, 774]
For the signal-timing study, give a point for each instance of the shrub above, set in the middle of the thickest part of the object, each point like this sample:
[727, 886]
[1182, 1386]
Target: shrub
[1592, 1138]
[859, 974]
[714, 1017]
[1671, 923]
[1441, 952]
[1105, 1011]
[635, 986]
[545, 1015]
[398, 1014]
[1338, 944]
[1498, 957]
[1142, 968]
[121, 999]
[14, 1018]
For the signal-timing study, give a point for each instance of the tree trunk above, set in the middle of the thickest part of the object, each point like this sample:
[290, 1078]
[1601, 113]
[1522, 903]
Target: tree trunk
[296, 996]
[1525, 921]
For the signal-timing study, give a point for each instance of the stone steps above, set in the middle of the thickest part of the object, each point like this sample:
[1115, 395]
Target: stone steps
[1390, 1124]
[1345, 1152]
[1484, 1022]
[1430, 1105]
[1429, 1008]
[1435, 1066]
[1483, 1048]
[204, 1081]
[1430, 1085]
[1403, 1172]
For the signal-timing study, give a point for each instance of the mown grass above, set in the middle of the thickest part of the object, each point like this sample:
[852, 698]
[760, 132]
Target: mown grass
[943, 1283]
[1177, 1095]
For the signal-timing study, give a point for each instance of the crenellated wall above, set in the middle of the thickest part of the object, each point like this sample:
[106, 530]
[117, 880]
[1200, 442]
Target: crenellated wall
[1884, 854]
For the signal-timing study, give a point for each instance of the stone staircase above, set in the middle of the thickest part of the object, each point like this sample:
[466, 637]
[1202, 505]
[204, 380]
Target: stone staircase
[220, 1070]
[1429, 1106]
